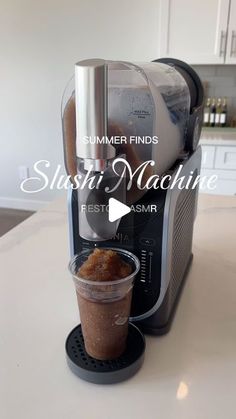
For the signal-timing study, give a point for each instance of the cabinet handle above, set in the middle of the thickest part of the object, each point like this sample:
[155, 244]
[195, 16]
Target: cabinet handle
[222, 43]
[233, 44]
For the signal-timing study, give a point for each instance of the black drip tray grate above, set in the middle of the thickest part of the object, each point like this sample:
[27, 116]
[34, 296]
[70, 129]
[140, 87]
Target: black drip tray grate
[105, 372]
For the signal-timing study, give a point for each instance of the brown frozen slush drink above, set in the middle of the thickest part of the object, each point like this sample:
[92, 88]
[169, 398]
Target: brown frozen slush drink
[104, 280]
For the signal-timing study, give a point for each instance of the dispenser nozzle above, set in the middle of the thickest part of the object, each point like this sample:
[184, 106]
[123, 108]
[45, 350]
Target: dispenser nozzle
[91, 111]
[91, 97]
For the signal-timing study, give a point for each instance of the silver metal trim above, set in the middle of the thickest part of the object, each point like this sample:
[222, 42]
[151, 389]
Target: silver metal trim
[91, 97]
[70, 221]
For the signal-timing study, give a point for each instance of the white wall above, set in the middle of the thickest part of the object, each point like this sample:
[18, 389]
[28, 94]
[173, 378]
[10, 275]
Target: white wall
[39, 43]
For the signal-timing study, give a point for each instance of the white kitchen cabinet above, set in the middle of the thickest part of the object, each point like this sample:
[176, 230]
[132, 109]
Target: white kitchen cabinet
[194, 31]
[225, 158]
[231, 42]
[225, 183]
[220, 160]
[208, 157]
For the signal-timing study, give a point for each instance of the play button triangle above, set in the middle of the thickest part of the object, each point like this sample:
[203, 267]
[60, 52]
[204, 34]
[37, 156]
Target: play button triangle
[117, 209]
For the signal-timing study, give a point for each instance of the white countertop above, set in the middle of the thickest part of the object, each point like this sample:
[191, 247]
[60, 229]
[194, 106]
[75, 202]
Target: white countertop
[188, 374]
[218, 136]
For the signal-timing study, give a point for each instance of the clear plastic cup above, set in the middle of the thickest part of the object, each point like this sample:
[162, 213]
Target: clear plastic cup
[104, 307]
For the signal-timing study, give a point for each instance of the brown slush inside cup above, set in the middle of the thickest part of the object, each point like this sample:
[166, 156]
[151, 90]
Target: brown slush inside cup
[104, 282]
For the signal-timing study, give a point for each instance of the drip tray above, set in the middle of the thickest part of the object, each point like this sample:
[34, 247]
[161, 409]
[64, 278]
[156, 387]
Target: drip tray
[105, 372]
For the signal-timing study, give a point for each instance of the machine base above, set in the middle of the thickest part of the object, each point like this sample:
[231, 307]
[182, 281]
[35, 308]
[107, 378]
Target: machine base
[166, 327]
[105, 372]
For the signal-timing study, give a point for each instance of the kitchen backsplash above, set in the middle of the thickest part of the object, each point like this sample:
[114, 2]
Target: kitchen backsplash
[221, 82]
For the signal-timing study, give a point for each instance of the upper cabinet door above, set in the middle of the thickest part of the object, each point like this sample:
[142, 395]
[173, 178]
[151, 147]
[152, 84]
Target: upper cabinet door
[194, 30]
[231, 43]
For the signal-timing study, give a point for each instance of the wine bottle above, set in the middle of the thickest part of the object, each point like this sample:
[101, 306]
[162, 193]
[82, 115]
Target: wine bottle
[206, 118]
[212, 112]
[218, 112]
[223, 115]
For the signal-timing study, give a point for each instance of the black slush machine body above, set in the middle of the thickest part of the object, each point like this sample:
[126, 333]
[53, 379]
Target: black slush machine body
[161, 239]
